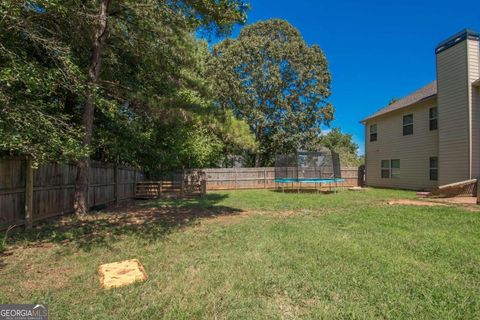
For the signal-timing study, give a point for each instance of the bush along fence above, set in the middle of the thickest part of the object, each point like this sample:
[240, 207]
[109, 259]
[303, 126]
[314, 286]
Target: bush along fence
[264, 178]
[28, 195]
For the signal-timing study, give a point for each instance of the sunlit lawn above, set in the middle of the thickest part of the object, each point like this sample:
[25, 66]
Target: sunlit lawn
[255, 255]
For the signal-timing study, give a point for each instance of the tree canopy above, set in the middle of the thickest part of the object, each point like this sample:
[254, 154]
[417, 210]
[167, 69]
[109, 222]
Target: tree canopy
[150, 62]
[343, 144]
[270, 77]
[105, 78]
[130, 82]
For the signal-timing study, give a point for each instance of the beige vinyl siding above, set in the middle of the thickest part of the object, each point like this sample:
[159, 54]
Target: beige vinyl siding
[474, 74]
[413, 151]
[454, 115]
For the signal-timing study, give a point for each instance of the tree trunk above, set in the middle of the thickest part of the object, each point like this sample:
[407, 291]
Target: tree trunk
[258, 159]
[81, 205]
[258, 154]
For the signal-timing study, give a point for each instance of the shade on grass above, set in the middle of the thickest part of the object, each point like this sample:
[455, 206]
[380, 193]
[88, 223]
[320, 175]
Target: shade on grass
[271, 255]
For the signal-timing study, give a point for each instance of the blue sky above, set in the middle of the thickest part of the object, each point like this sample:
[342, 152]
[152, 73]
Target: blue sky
[378, 50]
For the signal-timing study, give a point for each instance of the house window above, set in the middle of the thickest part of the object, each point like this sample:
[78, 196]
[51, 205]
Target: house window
[434, 168]
[390, 169]
[385, 169]
[373, 132]
[395, 169]
[433, 118]
[408, 124]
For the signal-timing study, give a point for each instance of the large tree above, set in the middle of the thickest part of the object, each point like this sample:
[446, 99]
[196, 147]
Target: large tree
[35, 73]
[279, 84]
[68, 62]
[188, 131]
[143, 20]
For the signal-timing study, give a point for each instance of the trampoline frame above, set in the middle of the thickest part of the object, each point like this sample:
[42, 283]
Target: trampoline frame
[284, 184]
[324, 164]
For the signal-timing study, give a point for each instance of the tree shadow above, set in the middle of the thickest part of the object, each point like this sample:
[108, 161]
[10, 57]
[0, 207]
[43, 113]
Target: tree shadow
[146, 220]
[206, 201]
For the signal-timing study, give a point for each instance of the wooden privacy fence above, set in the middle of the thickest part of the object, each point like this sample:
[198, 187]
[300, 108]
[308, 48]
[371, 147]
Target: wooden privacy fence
[184, 184]
[264, 178]
[28, 195]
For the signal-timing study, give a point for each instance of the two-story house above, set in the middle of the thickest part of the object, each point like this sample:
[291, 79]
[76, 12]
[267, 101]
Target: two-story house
[431, 137]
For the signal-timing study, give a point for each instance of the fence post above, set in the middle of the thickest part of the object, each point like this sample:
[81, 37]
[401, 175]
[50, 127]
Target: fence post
[182, 183]
[264, 178]
[478, 191]
[29, 194]
[134, 181]
[89, 181]
[204, 183]
[117, 185]
[361, 176]
[235, 177]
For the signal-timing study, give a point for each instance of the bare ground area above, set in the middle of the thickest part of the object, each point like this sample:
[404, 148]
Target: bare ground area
[410, 202]
[469, 203]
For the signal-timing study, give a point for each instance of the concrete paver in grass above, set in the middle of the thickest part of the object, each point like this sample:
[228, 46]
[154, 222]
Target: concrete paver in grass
[119, 274]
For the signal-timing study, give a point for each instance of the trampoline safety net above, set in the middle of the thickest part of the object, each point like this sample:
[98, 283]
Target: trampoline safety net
[303, 165]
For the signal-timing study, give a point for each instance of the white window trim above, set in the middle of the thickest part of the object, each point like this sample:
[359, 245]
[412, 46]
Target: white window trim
[376, 132]
[382, 168]
[408, 124]
[393, 173]
[397, 170]
[430, 118]
[430, 168]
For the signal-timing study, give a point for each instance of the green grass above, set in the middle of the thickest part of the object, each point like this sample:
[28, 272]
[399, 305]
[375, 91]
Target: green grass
[258, 255]
[267, 200]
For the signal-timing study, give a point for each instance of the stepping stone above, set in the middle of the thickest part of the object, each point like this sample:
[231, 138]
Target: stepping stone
[119, 274]
[357, 189]
[423, 194]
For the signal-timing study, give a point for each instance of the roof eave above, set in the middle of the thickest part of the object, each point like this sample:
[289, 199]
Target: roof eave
[364, 121]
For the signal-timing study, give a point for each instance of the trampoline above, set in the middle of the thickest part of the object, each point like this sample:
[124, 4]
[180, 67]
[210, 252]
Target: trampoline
[320, 169]
[333, 180]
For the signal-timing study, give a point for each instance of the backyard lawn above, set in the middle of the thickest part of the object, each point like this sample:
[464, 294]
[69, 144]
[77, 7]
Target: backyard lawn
[255, 255]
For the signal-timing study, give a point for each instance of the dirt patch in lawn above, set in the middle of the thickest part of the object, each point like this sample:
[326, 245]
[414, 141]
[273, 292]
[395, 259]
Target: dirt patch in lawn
[227, 220]
[467, 203]
[231, 219]
[408, 202]
[54, 278]
[147, 221]
[457, 200]
[34, 272]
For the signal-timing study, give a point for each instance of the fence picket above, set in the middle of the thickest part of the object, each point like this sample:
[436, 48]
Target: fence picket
[264, 178]
[52, 186]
